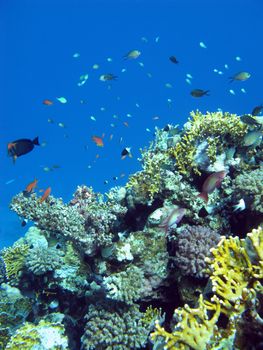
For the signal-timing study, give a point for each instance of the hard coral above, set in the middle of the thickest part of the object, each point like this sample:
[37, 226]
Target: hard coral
[108, 329]
[218, 130]
[14, 259]
[236, 280]
[14, 309]
[41, 260]
[193, 244]
[249, 184]
[43, 336]
[125, 286]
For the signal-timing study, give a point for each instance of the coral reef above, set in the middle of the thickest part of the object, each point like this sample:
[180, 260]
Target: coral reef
[130, 257]
[193, 244]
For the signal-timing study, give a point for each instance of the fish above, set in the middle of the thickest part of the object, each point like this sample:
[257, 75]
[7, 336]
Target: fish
[257, 110]
[126, 152]
[252, 138]
[173, 218]
[20, 147]
[24, 222]
[31, 186]
[126, 124]
[47, 102]
[241, 76]
[45, 195]
[212, 182]
[108, 77]
[241, 205]
[248, 119]
[173, 59]
[132, 55]
[199, 92]
[98, 140]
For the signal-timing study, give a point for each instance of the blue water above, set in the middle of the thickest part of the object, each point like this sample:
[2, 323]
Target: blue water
[38, 40]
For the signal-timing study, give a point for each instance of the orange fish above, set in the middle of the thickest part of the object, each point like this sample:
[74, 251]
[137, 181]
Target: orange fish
[30, 187]
[98, 140]
[45, 194]
[48, 102]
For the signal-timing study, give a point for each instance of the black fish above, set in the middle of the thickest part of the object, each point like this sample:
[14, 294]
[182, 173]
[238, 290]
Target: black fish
[20, 147]
[257, 110]
[173, 59]
[126, 152]
[199, 93]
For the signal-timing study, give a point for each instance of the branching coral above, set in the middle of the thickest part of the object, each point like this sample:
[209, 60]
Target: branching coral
[193, 244]
[41, 260]
[125, 286]
[120, 329]
[218, 130]
[236, 280]
[147, 183]
[194, 328]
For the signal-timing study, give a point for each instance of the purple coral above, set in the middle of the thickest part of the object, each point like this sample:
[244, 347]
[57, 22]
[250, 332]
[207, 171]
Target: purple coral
[193, 244]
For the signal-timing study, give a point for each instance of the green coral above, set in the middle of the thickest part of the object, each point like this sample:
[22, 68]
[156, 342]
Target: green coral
[236, 270]
[14, 258]
[217, 129]
[43, 336]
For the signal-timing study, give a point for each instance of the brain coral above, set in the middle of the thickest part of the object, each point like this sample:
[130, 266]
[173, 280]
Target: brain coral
[193, 244]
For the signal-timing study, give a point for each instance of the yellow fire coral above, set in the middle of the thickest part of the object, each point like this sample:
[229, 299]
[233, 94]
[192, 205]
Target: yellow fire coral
[235, 268]
[14, 259]
[194, 329]
[214, 128]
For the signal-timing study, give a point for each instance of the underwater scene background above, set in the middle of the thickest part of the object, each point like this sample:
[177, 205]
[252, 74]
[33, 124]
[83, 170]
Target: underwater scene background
[131, 184]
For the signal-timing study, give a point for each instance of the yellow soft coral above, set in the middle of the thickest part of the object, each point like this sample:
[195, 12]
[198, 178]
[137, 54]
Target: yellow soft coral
[235, 272]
